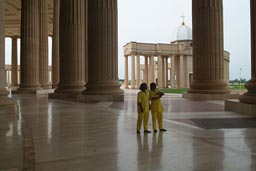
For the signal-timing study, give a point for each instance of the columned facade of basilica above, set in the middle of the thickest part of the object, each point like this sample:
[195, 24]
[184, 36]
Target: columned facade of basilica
[168, 65]
[85, 57]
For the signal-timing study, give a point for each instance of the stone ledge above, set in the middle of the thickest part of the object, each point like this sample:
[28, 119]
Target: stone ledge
[63, 95]
[100, 98]
[38, 92]
[200, 97]
[241, 108]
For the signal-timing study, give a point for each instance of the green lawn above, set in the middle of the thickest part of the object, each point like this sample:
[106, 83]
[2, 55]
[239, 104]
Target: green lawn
[172, 90]
[236, 87]
[180, 91]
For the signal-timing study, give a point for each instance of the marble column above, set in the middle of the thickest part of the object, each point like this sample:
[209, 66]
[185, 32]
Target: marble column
[55, 45]
[138, 80]
[160, 71]
[151, 69]
[166, 72]
[6, 105]
[173, 71]
[43, 44]
[72, 46]
[146, 70]
[14, 62]
[29, 59]
[181, 72]
[208, 50]
[132, 71]
[126, 71]
[3, 91]
[103, 82]
[250, 96]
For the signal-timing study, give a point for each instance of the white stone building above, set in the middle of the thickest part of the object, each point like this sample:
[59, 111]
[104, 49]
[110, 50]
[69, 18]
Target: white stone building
[169, 65]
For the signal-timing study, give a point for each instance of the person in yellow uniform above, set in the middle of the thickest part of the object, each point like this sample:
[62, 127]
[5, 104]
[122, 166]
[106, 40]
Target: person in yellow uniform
[156, 107]
[143, 108]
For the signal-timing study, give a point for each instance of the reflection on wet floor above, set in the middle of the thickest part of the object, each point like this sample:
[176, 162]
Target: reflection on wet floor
[67, 135]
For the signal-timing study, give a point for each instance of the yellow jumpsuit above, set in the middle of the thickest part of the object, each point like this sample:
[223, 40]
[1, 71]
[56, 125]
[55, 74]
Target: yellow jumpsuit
[143, 99]
[156, 110]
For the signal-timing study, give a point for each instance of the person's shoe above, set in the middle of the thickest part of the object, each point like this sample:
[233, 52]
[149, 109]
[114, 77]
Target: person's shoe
[138, 132]
[163, 130]
[147, 131]
[155, 131]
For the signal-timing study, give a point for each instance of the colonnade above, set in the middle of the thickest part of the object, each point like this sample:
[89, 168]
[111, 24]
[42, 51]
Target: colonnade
[208, 75]
[72, 49]
[158, 71]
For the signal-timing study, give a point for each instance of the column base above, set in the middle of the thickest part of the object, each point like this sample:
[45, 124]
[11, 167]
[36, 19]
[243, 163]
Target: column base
[248, 98]
[100, 98]
[104, 88]
[45, 87]
[239, 107]
[209, 87]
[38, 92]
[200, 97]
[27, 89]
[57, 95]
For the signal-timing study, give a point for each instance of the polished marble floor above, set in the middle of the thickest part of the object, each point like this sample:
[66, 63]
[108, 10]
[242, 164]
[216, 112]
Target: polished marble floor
[58, 135]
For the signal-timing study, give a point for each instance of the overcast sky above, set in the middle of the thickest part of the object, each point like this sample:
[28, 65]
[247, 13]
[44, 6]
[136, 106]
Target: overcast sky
[153, 21]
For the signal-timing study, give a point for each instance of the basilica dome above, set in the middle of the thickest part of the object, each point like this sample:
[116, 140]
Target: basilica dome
[182, 33]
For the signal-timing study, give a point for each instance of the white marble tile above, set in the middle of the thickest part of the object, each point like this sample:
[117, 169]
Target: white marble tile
[76, 136]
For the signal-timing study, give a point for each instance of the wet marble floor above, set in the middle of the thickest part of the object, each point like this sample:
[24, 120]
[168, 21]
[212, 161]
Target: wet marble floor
[72, 136]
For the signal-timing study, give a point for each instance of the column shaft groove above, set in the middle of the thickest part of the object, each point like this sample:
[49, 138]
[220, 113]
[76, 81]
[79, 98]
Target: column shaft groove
[43, 44]
[208, 48]
[14, 62]
[102, 48]
[55, 45]
[72, 47]
[29, 64]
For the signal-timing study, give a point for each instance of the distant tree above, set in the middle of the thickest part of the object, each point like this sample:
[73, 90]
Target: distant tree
[237, 81]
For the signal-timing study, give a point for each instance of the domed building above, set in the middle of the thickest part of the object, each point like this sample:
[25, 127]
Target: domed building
[182, 33]
[169, 65]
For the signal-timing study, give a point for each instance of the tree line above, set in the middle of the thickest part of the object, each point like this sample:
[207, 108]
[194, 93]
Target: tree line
[243, 80]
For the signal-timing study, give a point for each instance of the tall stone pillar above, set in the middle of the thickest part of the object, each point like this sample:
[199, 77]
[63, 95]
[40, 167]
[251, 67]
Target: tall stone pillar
[72, 56]
[3, 91]
[146, 70]
[43, 44]
[166, 72]
[133, 72]
[164, 68]
[126, 75]
[6, 105]
[181, 72]
[173, 71]
[55, 45]
[29, 59]
[160, 71]
[208, 51]
[151, 69]
[103, 82]
[250, 96]
[138, 80]
[14, 62]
